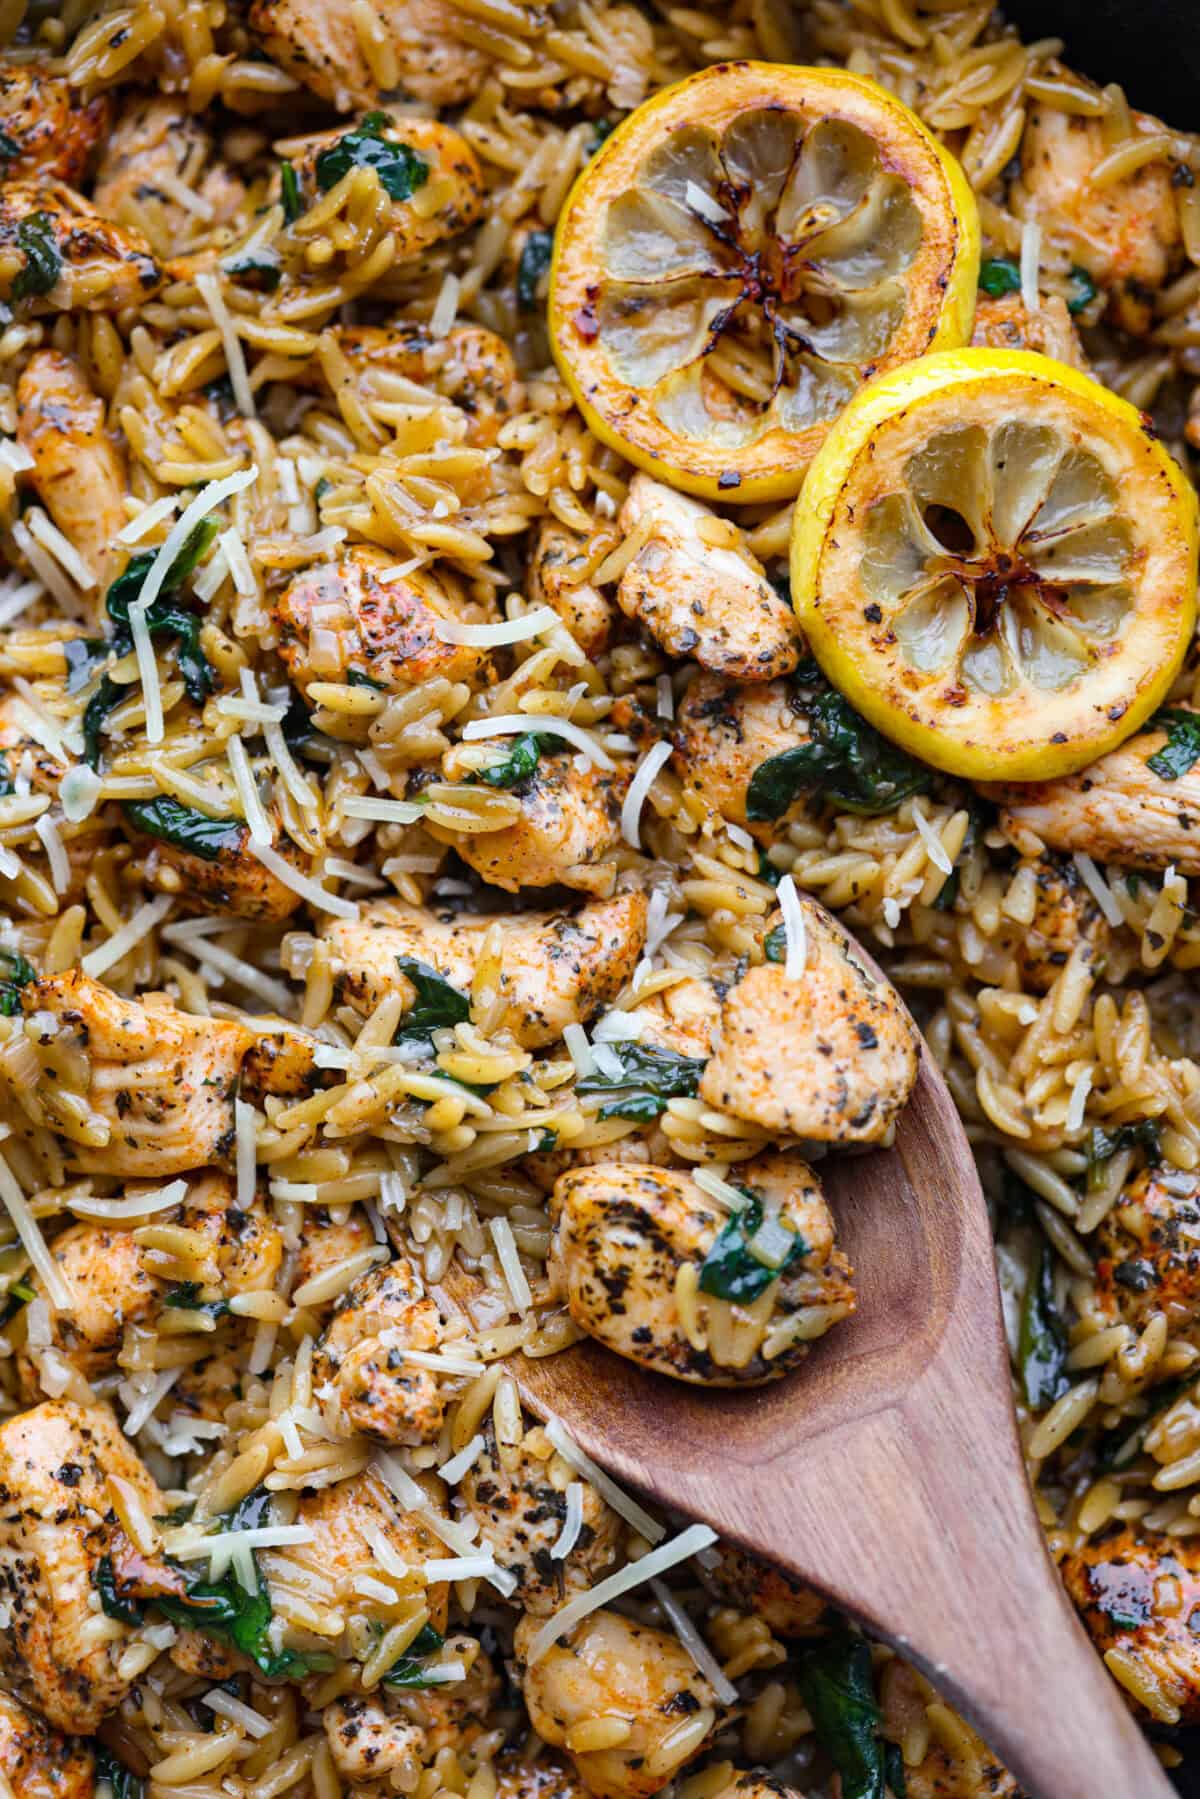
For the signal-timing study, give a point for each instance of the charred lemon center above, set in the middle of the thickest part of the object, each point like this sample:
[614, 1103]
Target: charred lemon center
[1003, 558]
[752, 274]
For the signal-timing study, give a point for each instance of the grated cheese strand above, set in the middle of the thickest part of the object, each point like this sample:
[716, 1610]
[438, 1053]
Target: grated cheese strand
[634, 1574]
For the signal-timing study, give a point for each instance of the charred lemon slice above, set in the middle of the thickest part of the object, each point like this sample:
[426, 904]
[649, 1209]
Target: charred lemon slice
[745, 249]
[995, 560]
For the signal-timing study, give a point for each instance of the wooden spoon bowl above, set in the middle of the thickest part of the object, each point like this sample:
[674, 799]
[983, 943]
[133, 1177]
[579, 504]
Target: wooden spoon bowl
[886, 1471]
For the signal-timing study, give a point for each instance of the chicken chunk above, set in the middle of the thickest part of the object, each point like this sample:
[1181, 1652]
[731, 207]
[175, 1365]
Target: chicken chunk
[789, 1608]
[111, 1287]
[281, 1064]
[699, 592]
[558, 967]
[56, 1525]
[348, 1521]
[1150, 1252]
[454, 1715]
[655, 1269]
[723, 732]
[522, 1775]
[247, 1244]
[1006, 323]
[78, 472]
[362, 1356]
[367, 1742]
[830, 1057]
[1126, 234]
[338, 621]
[444, 163]
[53, 130]
[19, 750]
[157, 140]
[957, 1764]
[683, 1017]
[59, 253]
[470, 366]
[319, 46]
[611, 1666]
[754, 1783]
[1119, 1582]
[583, 609]
[325, 1240]
[520, 1501]
[1065, 914]
[223, 876]
[153, 1086]
[566, 833]
[39, 1763]
[1117, 810]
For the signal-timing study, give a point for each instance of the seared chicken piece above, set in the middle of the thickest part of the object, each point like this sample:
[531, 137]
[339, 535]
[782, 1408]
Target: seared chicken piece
[536, 1774]
[698, 593]
[567, 832]
[22, 751]
[1150, 1252]
[227, 879]
[319, 46]
[56, 1525]
[830, 1057]
[39, 1763]
[722, 733]
[755, 1783]
[470, 365]
[1007, 324]
[367, 1742]
[58, 253]
[520, 1501]
[348, 1520]
[1116, 810]
[610, 1666]
[54, 130]
[326, 1238]
[683, 1017]
[160, 141]
[454, 1715]
[194, 1652]
[281, 1063]
[247, 1245]
[159, 1083]
[1065, 914]
[632, 1251]
[339, 620]
[449, 168]
[558, 969]
[111, 1287]
[1137, 1594]
[1125, 234]
[78, 471]
[583, 609]
[789, 1608]
[362, 1357]
[943, 1772]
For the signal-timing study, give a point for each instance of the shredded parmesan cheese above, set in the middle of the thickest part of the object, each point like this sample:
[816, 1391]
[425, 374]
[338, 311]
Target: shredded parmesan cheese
[19, 599]
[772, 1243]
[575, 1038]
[514, 724]
[246, 1139]
[384, 811]
[458, 1465]
[15, 456]
[633, 1574]
[147, 518]
[206, 501]
[1078, 1102]
[1098, 887]
[79, 790]
[244, 1716]
[931, 840]
[35, 1245]
[289, 771]
[302, 884]
[209, 288]
[445, 306]
[639, 787]
[694, 1643]
[704, 204]
[568, 1536]
[460, 1567]
[620, 1501]
[1031, 256]
[710, 1182]
[508, 630]
[510, 1263]
[243, 780]
[793, 929]
[99, 961]
[56, 854]
[61, 548]
[664, 704]
[134, 1205]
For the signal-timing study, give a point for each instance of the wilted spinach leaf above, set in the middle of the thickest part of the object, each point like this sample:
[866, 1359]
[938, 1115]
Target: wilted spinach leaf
[1181, 751]
[518, 765]
[127, 1611]
[1085, 290]
[437, 1004]
[15, 973]
[731, 1270]
[83, 656]
[289, 193]
[649, 1077]
[846, 760]
[10, 149]
[775, 944]
[401, 171]
[999, 275]
[1042, 1343]
[124, 1783]
[409, 1671]
[258, 268]
[835, 1680]
[1143, 1133]
[184, 1296]
[357, 677]
[186, 828]
[535, 260]
[43, 264]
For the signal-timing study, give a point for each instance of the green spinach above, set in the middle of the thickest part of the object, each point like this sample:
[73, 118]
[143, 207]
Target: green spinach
[1085, 290]
[187, 829]
[1181, 751]
[999, 275]
[15, 973]
[10, 149]
[775, 944]
[535, 260]
[401, 171]
[289, 193]
[649, 1077]
[1042, 1342]
[845, 759]
[257, 268]
[520, 762]
[184, 1296]
[43, 264]
[409, 1671]
[124, 1783]
[837, 1685]
[731, 1270]
[1144, 1134]
[83, 656]
[112, 1604]
[438, 1004]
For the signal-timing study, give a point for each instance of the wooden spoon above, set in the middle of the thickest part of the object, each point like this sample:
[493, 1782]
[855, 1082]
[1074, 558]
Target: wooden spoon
[886, 1471]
